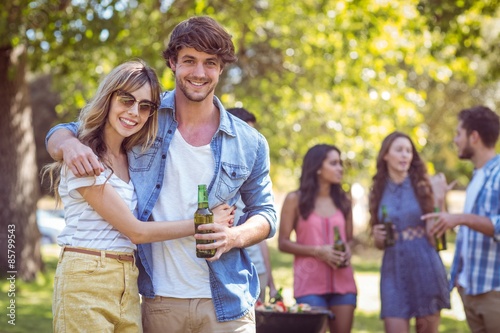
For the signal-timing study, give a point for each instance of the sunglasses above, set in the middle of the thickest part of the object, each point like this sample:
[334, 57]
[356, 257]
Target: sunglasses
[128, 101]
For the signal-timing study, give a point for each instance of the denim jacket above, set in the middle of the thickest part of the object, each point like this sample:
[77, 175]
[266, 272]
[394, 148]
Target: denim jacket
[241, 169]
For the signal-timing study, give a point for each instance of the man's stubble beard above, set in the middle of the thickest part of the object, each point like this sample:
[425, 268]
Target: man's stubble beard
[193, 97]
[467, 153]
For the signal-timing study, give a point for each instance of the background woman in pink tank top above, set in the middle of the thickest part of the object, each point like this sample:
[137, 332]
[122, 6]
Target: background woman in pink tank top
[323, 277]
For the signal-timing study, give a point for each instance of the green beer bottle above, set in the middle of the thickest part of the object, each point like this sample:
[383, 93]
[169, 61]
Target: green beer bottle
[389, 230]
[338, 243]
[203, 215]
[439, 241]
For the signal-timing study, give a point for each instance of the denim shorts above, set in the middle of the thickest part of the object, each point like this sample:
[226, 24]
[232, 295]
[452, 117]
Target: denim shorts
[328, 300]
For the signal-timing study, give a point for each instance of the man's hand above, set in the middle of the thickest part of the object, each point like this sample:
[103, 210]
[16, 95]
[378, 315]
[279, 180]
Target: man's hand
[64, 146]
[223, 235]
[80, 158]
[227, 238]
[441, 222]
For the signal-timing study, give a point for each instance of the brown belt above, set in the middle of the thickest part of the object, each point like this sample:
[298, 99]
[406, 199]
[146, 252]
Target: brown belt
[122, 257]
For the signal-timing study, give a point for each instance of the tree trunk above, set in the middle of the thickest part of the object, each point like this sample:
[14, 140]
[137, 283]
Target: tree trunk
[46, 99]
[19, 188]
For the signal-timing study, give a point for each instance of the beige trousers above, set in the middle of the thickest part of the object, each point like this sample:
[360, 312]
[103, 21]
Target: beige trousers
[177, 315]
[482, 311]
[95, 294]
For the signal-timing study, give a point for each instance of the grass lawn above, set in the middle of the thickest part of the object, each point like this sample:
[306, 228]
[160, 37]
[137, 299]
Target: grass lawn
[34, 300]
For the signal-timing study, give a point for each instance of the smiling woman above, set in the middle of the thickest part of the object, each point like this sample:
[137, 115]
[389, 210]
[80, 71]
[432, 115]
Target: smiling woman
[88, 240]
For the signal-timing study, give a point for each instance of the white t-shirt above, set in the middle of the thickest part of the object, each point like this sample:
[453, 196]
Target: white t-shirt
[177, 272]
[470, 197]
[86, 228]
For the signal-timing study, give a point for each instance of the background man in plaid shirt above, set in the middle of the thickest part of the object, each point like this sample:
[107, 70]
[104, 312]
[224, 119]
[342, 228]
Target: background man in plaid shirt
[476, 265]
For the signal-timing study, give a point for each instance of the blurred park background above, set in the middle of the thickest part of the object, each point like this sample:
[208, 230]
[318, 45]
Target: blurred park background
[345, 72]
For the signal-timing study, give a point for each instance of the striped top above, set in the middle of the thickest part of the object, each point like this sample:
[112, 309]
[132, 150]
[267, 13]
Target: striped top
[84, 227]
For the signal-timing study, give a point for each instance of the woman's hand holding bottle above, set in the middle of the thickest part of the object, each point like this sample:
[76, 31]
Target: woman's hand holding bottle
[224, 214]
[333, 258]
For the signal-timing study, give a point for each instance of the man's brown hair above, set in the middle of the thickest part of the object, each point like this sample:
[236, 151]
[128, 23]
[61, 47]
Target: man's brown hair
[482, 120]
[203, 34]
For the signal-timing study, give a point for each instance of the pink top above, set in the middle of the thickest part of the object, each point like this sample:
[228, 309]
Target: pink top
[312, 276]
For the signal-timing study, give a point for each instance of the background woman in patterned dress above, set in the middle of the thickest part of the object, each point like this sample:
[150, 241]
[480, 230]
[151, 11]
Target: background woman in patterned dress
[413, 280]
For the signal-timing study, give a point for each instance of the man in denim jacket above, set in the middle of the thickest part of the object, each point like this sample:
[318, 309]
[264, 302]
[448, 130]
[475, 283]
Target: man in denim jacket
[198, 143]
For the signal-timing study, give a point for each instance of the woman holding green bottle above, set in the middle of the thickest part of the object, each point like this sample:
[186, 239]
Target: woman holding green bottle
[413, 280]
[323, 275]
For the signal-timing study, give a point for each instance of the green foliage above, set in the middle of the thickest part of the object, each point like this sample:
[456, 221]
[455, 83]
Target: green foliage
[349, 73]
[341, 72]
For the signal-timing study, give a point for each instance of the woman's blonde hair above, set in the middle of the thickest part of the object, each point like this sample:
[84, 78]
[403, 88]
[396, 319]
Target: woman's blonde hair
[129, 76]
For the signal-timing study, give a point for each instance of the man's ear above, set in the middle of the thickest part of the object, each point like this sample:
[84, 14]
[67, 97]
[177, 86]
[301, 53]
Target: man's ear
[172, 64]
[474, 137]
